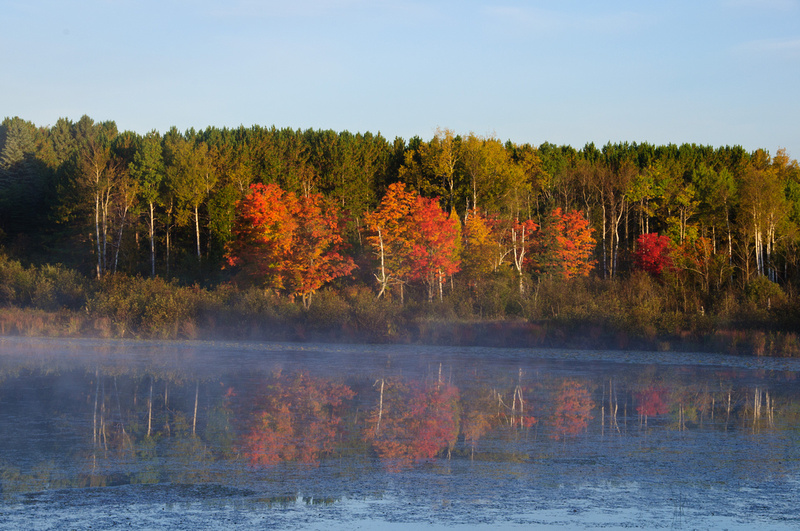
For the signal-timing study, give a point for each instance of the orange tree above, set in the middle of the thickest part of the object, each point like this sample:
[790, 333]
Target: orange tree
[565, 245]
[413, 240]
[388, 236]
[435, 242]
[288, 244]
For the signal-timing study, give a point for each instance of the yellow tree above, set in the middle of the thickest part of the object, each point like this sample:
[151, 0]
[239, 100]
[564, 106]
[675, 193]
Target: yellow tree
[765, 208]
[441, 156]
[482, 252]
[389, 238]
[497, 183]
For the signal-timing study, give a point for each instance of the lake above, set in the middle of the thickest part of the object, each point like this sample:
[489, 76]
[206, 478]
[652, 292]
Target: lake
[188, 435]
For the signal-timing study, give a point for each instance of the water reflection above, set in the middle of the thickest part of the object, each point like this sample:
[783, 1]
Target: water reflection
[278, 425]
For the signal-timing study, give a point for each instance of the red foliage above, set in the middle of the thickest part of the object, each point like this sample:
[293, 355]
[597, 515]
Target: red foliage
[288, 243]
[573, 410]
[650, 401]
[415, 422]
[296, 419]
[434, 244]
[413, 239]
[653, 254]
[565, 245]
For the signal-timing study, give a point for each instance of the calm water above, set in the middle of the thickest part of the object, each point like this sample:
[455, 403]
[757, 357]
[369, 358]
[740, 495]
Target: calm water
[209, 434]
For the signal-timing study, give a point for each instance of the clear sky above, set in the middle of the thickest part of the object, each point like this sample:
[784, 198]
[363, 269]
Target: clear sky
[712, 72]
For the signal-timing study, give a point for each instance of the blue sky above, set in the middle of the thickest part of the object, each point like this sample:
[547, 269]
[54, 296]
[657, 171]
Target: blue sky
[714, 72]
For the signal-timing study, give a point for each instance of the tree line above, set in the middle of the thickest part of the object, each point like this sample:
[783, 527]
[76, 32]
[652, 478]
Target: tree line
[455, 211]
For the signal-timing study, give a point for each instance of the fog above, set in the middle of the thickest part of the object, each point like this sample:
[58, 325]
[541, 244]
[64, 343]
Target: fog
[124, 433]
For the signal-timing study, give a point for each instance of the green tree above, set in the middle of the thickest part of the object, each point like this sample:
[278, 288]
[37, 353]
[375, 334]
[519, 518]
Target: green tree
[190, 177]
[87, 185]
[24, 178]
[147, 169]
[716, 193]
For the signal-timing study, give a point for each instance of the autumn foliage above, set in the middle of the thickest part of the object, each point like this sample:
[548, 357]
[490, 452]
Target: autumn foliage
[413, 240]
[573, 410]
[481, 249]
[295, 419]
[565, 245]
[413, 422]
[288, 243]
[650, 401]
[653, 254]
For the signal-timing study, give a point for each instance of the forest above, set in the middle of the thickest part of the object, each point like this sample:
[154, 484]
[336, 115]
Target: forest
[289, 234]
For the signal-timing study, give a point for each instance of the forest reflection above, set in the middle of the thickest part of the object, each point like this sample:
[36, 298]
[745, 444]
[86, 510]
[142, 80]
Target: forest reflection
[101, 423]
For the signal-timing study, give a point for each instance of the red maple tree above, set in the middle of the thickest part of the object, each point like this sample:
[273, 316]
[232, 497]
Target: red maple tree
[434, 245]
[653, 254]
[289, 244]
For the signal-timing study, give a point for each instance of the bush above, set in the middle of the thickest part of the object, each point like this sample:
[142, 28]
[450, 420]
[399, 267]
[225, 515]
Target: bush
[151, 308]
[16, 283]
[375, 319]
[57, 287]
[328, 312]
[764, 294]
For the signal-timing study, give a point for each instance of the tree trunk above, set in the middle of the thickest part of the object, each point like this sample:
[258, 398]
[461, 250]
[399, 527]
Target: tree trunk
[106, 199]
[197, 231]
[119, 236]
[196, 396]
[152, 243]
[383, 280]
[605, 259]
[380, 409]
[94, 417]
[150, 409]
[97, 234]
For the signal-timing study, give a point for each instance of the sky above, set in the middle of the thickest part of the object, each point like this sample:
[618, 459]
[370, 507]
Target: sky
[710, 72]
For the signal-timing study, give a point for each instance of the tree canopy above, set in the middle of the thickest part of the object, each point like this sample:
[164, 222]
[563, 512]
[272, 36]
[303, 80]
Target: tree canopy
[295, 210]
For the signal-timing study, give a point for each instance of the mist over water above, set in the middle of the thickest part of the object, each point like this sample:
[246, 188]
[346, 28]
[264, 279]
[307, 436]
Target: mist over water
[203, 434]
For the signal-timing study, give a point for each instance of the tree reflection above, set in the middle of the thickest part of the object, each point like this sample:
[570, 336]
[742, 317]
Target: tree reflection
[109, 424]
[413, 422]
[294, 419]
[573, 410]
[650, 402]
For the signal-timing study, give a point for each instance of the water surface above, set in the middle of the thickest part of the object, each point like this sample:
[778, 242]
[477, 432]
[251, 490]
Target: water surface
[207, 434]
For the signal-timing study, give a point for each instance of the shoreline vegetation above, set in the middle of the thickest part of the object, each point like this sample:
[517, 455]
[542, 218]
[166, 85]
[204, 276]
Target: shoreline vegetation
[580, 313]
[290, 235]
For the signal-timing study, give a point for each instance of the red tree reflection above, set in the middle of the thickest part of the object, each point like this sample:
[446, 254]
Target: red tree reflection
[573, 410]
[295, 419]
[412, 422]
[650, 401]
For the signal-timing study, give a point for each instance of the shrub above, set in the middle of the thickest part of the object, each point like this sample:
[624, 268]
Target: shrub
[143, 307]
[764, 293]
